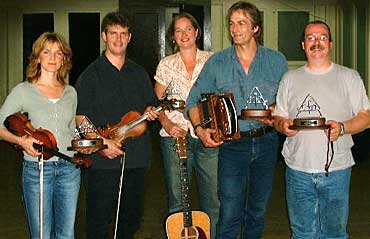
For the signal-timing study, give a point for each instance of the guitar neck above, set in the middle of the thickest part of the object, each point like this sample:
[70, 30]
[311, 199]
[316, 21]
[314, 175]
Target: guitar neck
[185, 200]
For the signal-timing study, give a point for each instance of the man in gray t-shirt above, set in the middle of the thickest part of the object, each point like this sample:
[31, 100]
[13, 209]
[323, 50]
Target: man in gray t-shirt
[318, 172]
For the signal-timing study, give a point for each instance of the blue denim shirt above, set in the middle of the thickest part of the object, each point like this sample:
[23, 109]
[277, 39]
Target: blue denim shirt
[224, 73]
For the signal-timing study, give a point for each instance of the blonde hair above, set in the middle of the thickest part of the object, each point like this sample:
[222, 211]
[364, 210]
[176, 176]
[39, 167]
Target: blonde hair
[34, 67]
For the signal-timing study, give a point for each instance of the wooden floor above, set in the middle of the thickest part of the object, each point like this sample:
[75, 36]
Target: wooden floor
[13, 224]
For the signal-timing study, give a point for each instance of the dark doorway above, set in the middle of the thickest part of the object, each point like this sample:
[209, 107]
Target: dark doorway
[33, 26]
[84, 32]
[145, 44]
[198, 14]
[148, 43]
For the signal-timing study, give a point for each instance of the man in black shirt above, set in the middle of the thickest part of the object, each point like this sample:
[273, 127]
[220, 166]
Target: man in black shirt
[109, 88]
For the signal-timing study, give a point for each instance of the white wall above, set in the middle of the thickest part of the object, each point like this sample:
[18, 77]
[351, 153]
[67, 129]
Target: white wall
[327, 11]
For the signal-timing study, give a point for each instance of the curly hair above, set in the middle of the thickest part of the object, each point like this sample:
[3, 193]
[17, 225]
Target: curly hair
[34, 67]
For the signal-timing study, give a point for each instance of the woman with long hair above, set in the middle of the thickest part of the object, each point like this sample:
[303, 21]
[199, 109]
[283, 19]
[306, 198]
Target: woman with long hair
[51, 105]
[175, 76]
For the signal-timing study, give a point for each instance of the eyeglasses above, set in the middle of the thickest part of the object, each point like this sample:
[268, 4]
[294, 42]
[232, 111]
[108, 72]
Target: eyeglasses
[312, 38]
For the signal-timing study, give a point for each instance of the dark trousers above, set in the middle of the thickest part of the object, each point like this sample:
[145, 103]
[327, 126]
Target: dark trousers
[101, 187]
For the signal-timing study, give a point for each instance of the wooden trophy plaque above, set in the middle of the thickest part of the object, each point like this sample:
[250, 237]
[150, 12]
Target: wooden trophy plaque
[256, 107]
[309, 106]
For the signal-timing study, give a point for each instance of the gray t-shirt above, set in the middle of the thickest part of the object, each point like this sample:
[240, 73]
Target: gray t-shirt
[339, 94]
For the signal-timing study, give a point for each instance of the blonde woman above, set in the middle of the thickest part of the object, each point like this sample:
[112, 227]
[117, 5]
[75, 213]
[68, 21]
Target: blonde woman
[51, 104]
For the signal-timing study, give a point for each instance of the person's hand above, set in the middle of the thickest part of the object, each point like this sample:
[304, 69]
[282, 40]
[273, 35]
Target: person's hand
[284, 127]
[151, 113]
[26, 142]
[267, 121]
[335, 130]
[86, 150]
[114, 149]
[173, 130]
[205, 136]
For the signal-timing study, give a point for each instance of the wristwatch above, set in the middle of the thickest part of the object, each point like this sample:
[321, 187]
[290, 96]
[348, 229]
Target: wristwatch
[196, 126]
[342, 131]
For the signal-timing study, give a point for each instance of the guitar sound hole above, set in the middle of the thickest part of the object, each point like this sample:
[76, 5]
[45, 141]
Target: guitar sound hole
[189, 233]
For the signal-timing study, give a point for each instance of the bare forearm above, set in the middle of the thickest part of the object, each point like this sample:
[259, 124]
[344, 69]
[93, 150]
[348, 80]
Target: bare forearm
[163, 119]
[358, 123]
[194, 116]
[9, 137]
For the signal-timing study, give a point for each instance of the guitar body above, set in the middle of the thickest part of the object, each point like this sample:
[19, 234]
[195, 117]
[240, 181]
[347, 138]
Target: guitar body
[199, 230]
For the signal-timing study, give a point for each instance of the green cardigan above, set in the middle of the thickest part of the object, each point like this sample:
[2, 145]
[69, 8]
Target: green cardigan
[59, 117]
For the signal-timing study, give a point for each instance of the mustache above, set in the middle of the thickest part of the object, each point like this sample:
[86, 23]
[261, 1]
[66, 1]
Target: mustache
[317, 47]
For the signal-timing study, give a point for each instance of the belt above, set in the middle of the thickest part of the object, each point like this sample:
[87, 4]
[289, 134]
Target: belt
[257, 132]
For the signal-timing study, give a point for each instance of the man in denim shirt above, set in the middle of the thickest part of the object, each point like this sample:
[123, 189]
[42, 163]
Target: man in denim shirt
[246, 166]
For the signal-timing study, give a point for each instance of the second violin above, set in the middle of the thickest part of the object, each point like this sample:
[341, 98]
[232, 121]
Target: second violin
[133, 124]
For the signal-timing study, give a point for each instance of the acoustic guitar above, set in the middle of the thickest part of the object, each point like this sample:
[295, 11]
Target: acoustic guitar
[186, 224]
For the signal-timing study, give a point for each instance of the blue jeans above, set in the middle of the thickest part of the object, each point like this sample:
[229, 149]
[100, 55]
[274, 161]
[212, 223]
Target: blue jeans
[204, 161]
[318, 204]
[60, 195]
[245, 173]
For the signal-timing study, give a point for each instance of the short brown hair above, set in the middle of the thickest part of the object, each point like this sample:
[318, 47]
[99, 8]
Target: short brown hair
[115, 18]
[34, 68]
[315, 22]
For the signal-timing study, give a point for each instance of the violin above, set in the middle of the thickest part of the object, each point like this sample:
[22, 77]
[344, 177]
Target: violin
[133, 124]
[19, 124]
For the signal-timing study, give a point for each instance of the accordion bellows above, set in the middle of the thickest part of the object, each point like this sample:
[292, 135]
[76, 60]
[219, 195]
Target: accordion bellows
[218, 111]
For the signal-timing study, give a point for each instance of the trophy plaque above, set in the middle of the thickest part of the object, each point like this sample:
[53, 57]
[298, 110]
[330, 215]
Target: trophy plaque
[256, 107]
[309, 107]
[86, 138]
[172, 94]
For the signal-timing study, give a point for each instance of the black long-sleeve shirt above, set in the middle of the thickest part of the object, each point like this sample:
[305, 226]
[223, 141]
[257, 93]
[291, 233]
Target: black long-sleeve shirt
[106, 94]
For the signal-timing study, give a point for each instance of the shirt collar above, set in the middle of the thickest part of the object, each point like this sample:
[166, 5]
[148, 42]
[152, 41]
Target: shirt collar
[196, 57]
[234, 56]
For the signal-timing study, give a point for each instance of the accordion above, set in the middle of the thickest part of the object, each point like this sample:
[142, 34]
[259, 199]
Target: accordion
[218, 111]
